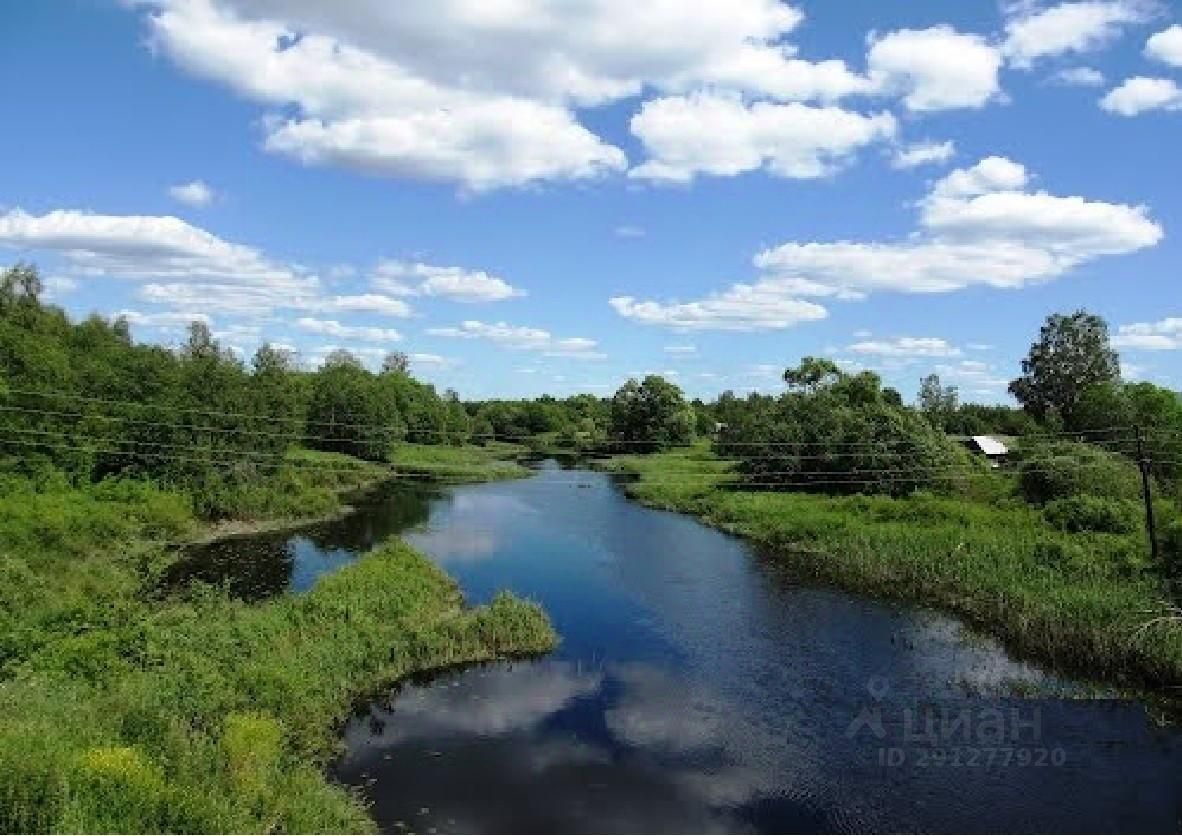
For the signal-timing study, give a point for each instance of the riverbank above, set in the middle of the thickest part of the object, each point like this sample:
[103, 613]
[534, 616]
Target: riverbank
[490, 462]
[125, 711]
[317, 486]
[1075, 601]
[313, 487]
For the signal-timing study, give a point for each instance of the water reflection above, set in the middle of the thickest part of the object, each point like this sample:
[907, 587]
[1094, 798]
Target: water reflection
[700, 688]
[549, 746]
[524, 748]
[257, 566]
[697, 687]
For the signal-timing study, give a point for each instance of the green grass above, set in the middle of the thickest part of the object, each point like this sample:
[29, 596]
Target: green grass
[212, 715]
[308, 484]
[469, 463]
[1072, 600]
[126, 712]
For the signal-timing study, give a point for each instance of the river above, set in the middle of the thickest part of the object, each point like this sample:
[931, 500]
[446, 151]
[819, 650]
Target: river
[698, 687]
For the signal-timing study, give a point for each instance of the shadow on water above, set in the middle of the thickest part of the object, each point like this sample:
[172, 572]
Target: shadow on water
[258, 566]
[700, 688]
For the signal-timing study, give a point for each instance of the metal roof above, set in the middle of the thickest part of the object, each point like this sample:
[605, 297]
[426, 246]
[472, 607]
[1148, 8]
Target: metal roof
[989, 445]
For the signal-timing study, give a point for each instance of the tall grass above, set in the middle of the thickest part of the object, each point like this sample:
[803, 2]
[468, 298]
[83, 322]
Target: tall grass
[1073, 600]
[309, 483]
[125, 712]
[469, 463]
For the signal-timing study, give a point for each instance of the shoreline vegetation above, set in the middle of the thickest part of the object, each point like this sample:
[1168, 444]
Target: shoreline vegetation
[1054, 597]
[198, 712]
[126, 710]
[490, 462]
[130, 710]
[339, 479]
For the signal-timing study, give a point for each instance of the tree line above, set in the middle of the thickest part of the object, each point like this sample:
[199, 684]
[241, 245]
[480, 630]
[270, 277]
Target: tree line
[83, 397]
[85, 400]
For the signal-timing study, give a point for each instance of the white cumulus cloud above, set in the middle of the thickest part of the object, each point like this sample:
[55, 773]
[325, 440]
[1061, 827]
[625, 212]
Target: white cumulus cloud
[58, 286]
[455, 283]
[724, 136]
[744, 307]
[419, 358]
[978, 226]
[163, 319]
[332, 328]
[358, 109]
[181, 266]
[973, 377]
[194, 193]
[143, 246]
[481, 94]
[1166, 46]
[1073, 27]
[906, 347]
[587, 52]
[935, 69]
[372, 303]
[923, 153]
[1164, 335]
[1079, 77]
[1138, 95]
[521, 337]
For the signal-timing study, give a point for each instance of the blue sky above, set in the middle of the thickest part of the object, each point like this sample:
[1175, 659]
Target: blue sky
[535, 197]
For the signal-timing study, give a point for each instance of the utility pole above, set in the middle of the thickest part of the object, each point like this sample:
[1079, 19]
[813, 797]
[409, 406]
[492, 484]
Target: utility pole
[1147, 494]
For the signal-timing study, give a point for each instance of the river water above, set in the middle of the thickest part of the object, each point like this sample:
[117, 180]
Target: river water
[699, 688]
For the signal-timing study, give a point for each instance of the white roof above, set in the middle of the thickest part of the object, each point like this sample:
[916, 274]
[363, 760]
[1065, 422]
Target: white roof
[989, 445]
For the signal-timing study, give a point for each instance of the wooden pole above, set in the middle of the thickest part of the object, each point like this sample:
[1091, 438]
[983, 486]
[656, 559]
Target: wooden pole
[1147, 495]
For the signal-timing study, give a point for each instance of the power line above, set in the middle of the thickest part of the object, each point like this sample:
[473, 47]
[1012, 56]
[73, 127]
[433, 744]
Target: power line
[396, 430]
[281, 456]
[340, 425]
[432, 473]
[882, 446]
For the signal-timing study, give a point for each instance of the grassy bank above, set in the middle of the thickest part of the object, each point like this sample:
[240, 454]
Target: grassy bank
[125, 712]
[308, 484]
[1072, 600]
[467, 463]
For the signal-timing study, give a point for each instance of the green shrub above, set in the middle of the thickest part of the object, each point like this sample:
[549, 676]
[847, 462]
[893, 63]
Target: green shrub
[116, 788]
[1091, 513]
[1069, 559]
[842, 434]
[1171, 551]
[252, 744]
[1065, 470]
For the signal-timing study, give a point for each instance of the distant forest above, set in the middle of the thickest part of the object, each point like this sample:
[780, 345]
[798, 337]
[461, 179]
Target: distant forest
[85, 401]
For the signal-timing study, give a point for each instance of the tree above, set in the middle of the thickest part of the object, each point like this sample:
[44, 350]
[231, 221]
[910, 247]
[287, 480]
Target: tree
[1110, 410]
[277, 397]
[837, 432]
[20, 283]
[936, 401]
[342, 357]
[200, 345]
[1072, 354]
[812, 374]
[396, 361]
[196, 416]
[122, 328]
[351, 411]
[459, 425]
[270, 360]
[652, 414]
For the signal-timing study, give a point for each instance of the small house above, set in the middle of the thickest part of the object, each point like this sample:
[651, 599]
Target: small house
[989, 447]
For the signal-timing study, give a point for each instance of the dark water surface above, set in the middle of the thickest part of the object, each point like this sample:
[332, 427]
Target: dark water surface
[699, 689]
